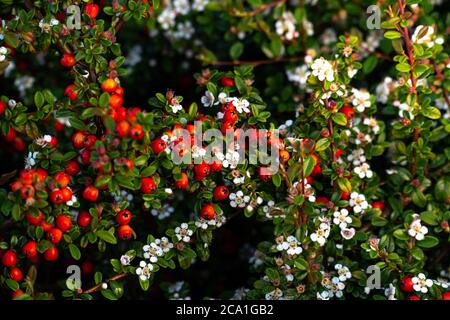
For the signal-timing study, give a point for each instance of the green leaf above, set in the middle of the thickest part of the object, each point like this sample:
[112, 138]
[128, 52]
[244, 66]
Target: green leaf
[77, 123]
[11, 39]
[145, 284]
[240, 85]
[108, 294]
[88, 113]
[392, 34]
[272, 274]
[339, 118]
[322, 144]
[103, 101]
[13, 285]
[403, 67]
[276, 179]
[344, 184]
[102, 181]
[418, 198]
[301, 264]
[74, 251]
[21, 119]
[417, 253]
[193, 108]
[432, 113]
[308, 166]
[236, 50]
[106, 236]
[429, 218]
[369, 64]
[428, 242]
[151, 169]
[401, 234]
[98, 277]
[39, 99]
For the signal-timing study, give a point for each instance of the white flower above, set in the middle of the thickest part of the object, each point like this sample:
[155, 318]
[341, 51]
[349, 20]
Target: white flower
[384, 89]
[238, 199]
[144, 271]
[405, 109]
[299, 75]
[164, 244]
[241, 105]
[199, 5]
[341, 218]
[372, 123]
[416, 230]
[125, 260]
[168, 191]
[343, 272]
[347, 233]
[239, 180]
[185, 30]
[183, 232]
[351, 72]
[152, 252]
[3, 52]
[322, 69]
[30, 160]
[274, 295]
[231, 159]
[72, 201]
[357, 156]
[358, 202]
[208, 99]
[336, 287]
[324, 295]
[390, 292]
[181, 6]
[361, 99]
[223, 98]
[291, 246]
[285, 26]
[363, 171]
[421, 283]
[426, 38]
[176, 108]
[321, 234]
[167, 18]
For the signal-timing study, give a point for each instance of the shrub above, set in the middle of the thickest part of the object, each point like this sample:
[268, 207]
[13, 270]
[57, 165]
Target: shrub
[351, 200]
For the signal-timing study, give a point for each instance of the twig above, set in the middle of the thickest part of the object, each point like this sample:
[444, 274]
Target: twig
[255, 62]
[99, 286]
[254, 12]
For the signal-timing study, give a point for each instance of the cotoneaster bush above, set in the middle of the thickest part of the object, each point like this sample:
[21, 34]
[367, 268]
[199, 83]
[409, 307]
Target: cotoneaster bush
[357, 117]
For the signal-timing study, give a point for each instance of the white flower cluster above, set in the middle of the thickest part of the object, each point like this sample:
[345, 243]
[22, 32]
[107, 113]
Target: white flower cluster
[421, 283]
[358, 202]
[47, 26]
[291, 245]
[164, 212]
[238, 199]
[334, 286]
[204, 224]
[322, 69]
[152, 252]
[286, 26]
[426, 35]
[361, 99]
[3, 52]
[322, 232]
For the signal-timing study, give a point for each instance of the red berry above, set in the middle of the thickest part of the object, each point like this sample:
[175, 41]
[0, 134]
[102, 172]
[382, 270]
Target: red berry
[317, 170]
[70, 92]
[11, 135]
[2, 107]
[90, 141]
[345, 195]
[63, 222]
[90, 193]
[78, 139]
[183, 182]
[407, 284]
[158, 146]
[348, 112]
[226, 126]
[207, 211]
[56, 196]
[109, 85]
[221, 192]
[54, 235]
[15, 274]
[26, 176]
[87, 267]
[125, 232]
[124, 217]
[446, 296]
[85, 157]
[230, 116]
[17, 293]
[202, 170]
[19, 145]
[51, 254]
[227, 82]
[68, 60]
[27, 192]
[122, 128]
[216, 166]
[115, 101]
[414, 297]
[91, 10]
[46, 226]
[229, 106]
[136, 132]
[34, 220]
[29, 249]
[378, 204]
[41, 174]
[9, 259]
[72, 168]
[148, 185]
[62, 179]
[84, 219]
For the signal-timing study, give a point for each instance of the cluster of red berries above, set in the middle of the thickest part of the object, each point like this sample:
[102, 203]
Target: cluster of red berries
[123, 218]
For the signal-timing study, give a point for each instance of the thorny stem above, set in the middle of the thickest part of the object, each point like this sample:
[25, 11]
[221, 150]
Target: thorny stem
[99, 286]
